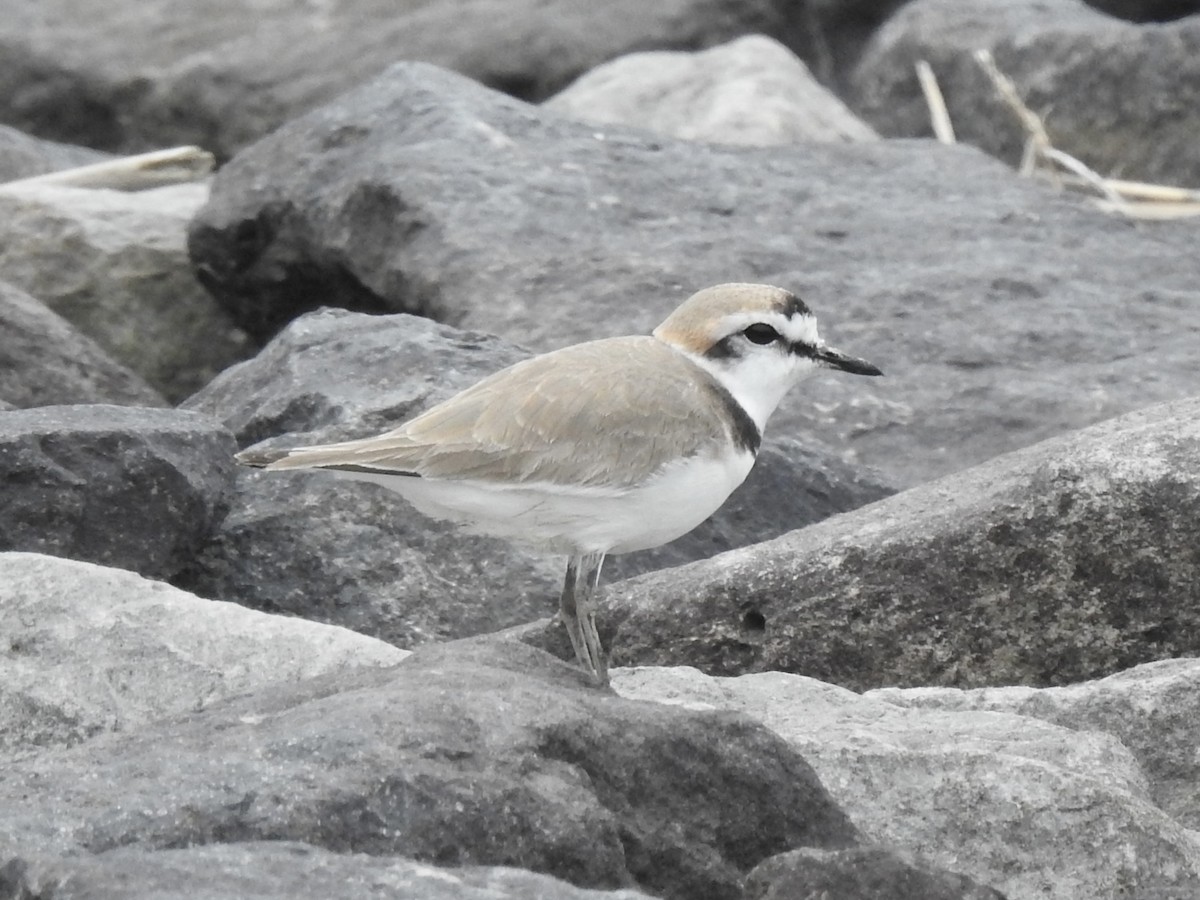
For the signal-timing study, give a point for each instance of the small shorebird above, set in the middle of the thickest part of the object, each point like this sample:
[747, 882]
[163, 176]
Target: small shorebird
[604, 447]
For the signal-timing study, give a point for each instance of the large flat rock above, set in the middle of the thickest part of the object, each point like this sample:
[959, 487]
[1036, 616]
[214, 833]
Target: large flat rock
[484, 754]
[1072, 559]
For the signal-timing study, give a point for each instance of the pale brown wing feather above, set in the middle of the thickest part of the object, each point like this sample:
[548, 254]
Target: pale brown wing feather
[543, 419]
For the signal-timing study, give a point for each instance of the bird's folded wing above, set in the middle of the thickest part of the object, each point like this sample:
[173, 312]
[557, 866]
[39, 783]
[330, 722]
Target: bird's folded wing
[603, 414]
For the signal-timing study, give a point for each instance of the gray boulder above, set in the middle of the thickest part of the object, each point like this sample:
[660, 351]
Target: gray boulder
[95, 649]
[485, 754]
[113, 264]
[423, 192]
[23, 155]
[1114, 94]
[752, 91]
[1029, 808]
[1154, 709]
[139, 489]
[1072, 559]
[222, 74]
[44, 361]
[277, 870]
[861, 873]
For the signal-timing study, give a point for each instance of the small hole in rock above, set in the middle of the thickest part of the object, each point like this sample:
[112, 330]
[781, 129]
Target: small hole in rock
[753, 620]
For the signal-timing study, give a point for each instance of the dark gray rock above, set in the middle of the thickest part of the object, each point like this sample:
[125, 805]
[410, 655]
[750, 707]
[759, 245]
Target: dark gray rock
[860, 873]
[276, 870]
[221, 74]
[1072, 559]
[1147, 10]
[1118, 96]
[44, 361]
[22, 155]
[423, 192]
[357, 555]
[477, 754]
[134, 488]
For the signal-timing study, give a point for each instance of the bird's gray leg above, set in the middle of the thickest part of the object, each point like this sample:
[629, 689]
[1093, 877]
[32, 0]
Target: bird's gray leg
[578, 612]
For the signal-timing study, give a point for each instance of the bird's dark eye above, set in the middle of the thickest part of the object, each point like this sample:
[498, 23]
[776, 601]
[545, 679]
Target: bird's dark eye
[761, 333]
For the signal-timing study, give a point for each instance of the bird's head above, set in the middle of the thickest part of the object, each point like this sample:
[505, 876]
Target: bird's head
[756, 340]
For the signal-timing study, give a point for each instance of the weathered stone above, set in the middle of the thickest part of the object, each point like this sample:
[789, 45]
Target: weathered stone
[221, 74]
[483, 754]
[1154, 709]
[1118, 96]
[423, 192]
[91, 649]
[750, 91]
[135, 488]
[113, 264]
[1032, 809]
[22, 155]
[861, 873]
[44, 361]
[276, 870]
[1072, 559]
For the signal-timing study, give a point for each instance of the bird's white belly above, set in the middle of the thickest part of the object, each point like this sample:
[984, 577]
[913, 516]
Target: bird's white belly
[572, 520]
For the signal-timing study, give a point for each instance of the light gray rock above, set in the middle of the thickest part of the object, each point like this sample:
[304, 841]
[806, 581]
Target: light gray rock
[1154, 709]
[1118, 96]
[423, 192]
[221, 74]
[139, 489]
[44, 361]
[1032, 809]
[279, 870]
[113, 264]
[357, 555]
[753, 90]
[1073, 559]
[92, 649]
[23, 155]
[477, 754]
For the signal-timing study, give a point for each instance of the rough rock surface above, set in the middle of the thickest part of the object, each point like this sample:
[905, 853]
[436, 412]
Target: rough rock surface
[44, 361]
[1001, 313]
[277, 870]
[357, 555]
[752, 91]
[91, 649]
[1031, 809]
[139, 489]
[483, 754]
[1120, 97]
[23, 156]
[220, 74]
[1072, 559]
[113, 264]
[861, 873]
[1154, 709]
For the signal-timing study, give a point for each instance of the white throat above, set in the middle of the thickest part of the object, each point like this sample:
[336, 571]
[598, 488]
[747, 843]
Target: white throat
[758, 383]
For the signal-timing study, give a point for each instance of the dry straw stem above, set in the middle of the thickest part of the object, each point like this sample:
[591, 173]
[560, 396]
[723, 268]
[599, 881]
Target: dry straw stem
[1136, 200]
[133, 173]
[939, 116]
